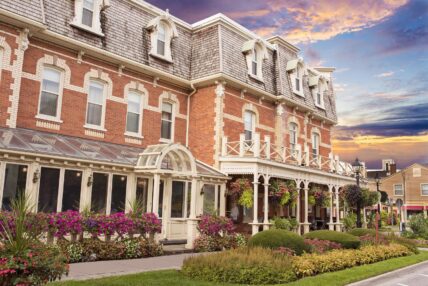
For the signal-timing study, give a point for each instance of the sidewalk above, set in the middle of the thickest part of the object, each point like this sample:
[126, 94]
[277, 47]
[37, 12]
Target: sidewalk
[98, 269]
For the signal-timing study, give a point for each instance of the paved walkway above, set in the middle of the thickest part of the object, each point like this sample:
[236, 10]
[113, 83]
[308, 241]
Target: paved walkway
[414, 275]
[98, 269]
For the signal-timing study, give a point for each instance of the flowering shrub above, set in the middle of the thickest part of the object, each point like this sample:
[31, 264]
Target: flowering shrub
[214, 225]
[312, 264]
[150, 223]
[321, 246]
[322, 198]
[68, 222]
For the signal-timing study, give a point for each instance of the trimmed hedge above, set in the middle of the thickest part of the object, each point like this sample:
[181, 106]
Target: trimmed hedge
[362, 231]
[275, 238]
[345, 239]
[241, 266]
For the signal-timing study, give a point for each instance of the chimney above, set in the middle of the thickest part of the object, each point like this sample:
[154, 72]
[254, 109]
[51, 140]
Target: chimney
[393, 168]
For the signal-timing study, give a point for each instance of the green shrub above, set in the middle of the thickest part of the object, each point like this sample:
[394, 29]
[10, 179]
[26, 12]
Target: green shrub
[275, 238]
[345, 239]
[312, 264]
[419, 225]
[362, 231]
[281, 223]
[350, 221]
[409, 243]
[242, 266]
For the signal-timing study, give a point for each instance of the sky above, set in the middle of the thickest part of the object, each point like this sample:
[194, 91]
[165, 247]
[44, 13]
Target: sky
[380, 51]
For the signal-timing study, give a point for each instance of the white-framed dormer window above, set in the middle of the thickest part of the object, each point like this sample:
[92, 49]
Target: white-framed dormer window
[87, 15]
[249, 125]
[50, 99]
[95, 110]
[293, 135]
[133, 115]
[315, 145]
[398, 190]
[167, 121]
[424, 189]
[296, 70]
[162, 30]
[319, 86]
[255, 52]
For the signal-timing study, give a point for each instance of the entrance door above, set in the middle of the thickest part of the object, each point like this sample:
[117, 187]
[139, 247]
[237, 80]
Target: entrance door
[178, 210]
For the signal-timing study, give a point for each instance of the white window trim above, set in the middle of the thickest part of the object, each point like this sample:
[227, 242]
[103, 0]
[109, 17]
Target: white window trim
[402, 188]
[321, 87]
[170, 33]
[96, 18]
[296, 136]
[103, 110]
[293, 75]
[312, 143]
[3, 177]
[140, 123]
[262, 54]
[56, 118]
[173, 114]
[253, 123]
[421, 189]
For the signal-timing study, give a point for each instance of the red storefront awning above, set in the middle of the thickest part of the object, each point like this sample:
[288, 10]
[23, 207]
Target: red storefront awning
[414, 208]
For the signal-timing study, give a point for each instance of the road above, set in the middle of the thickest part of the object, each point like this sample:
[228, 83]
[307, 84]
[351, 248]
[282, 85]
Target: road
[416, 275]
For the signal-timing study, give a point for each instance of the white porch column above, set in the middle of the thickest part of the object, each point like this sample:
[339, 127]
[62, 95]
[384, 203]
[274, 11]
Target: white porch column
[266, 207]
[192, 222]
[255, 204]
[222, 199]
[330, 192]
[338, 224]
[306, 223]
[299, 231]
[155, 205]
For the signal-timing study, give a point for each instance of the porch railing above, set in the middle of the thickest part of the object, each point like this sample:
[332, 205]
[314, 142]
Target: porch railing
[265, 149]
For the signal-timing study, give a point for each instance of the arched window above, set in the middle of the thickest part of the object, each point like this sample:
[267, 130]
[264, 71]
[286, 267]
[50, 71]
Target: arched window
[296, 70]
[95, 112]
[161, 39]
[315, 145]
[50, 94]
[255, 52]
[133, 116]
[293, 135]
[249, 124]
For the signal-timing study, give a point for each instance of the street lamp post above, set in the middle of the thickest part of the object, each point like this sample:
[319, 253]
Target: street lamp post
[357, 169]
[378, 203]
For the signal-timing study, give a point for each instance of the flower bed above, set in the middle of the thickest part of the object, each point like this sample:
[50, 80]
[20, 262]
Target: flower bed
[266, 266]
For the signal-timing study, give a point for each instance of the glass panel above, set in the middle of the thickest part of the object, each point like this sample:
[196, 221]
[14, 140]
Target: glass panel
[189, 198]
[133, 122]
[51, 80]
[72, 188]
[87, 17]
[254, 68]
[48, 103]
[248, 120]
[161, 31]
[177, 199]
[166, 129]
[167, 107]
[161, 48]
[297, 84]
[142, 192]
[248, 135]
[94, 114]
[318, 98]
[209, 199]
[88, 4]
[48, 190]
[118, 195]
[134, 102]
[398, 189]
[96, 92]
[99, 192]
[14, 183]
[160, 205]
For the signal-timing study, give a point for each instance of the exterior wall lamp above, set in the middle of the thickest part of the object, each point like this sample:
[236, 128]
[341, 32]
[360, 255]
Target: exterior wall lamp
[36, 176]
[90, 180]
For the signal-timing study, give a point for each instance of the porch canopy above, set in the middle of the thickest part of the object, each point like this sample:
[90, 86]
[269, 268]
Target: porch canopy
[167, 158]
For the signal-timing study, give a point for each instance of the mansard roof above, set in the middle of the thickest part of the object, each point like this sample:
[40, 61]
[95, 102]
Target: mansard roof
[203, 52]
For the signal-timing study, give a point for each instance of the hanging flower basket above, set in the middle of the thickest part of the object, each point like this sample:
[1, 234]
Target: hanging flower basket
[321, 198]
[241, 191]
[283, 193]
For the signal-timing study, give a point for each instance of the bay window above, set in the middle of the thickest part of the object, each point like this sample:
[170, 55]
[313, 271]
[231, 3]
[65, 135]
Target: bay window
[167, 121]
[133, 116]
[96, 104]
[49, 103]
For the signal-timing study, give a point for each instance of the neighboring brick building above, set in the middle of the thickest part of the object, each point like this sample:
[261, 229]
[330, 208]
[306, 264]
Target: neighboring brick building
[106, 100]
[409, 185]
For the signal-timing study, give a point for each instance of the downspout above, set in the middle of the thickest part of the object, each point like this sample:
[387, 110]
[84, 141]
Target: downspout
[188, 112]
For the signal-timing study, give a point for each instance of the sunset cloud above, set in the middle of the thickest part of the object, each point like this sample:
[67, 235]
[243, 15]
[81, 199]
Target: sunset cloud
[385, 74]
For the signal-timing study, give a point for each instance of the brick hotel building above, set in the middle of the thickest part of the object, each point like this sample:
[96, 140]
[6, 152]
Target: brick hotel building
[103, 101]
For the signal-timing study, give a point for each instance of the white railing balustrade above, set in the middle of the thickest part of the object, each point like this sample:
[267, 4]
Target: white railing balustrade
[265, 149]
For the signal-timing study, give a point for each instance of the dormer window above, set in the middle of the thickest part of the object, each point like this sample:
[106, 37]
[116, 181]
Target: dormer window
[296, 71]
[255, 52]
[87, 15]
[162, 30]
[319, 85]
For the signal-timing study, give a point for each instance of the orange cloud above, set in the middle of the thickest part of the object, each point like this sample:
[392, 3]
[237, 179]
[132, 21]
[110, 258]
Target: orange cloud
[324, 19]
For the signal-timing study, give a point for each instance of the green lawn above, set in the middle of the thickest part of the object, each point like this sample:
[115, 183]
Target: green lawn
[173, 278]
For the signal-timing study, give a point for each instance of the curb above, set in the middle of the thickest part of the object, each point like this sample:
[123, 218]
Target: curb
[386, 273]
